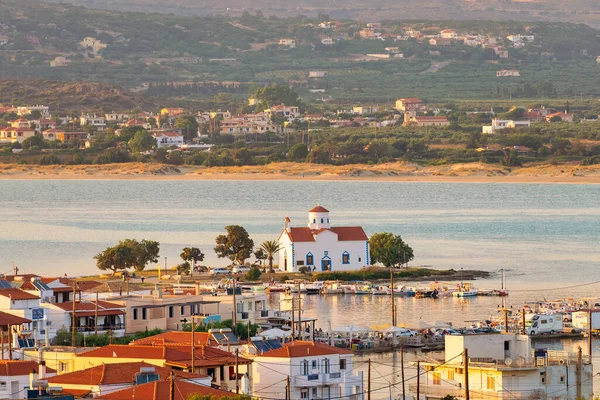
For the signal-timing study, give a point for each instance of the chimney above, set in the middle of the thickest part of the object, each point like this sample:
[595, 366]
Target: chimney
[42, 370]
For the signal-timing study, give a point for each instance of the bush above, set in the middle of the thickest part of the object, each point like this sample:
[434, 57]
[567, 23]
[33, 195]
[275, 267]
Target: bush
[49, 159]
[254, 274]
[304, 270]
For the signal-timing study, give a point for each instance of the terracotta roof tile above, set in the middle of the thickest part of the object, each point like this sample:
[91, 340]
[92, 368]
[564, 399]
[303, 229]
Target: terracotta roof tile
[9, 319]
[303, 349]
[318, 209]
[174, 337]
[111, 374]
[19, 367]
[90, 306]
[301, 235]
[17, 294]
[349, 233]
[160, 390]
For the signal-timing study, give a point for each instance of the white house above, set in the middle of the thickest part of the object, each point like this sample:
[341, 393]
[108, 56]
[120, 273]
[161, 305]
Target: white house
[508, 72]
[315, 371]
[327, 41]
[499, 124]
[505, 366]
[97, 122]
[168, 139]
[16, 375]
[321, 246]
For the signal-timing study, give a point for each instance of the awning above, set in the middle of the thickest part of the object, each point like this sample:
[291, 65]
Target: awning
[100, 313]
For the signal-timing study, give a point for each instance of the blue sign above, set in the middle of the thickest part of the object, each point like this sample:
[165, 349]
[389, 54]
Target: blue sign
[212, 318]
[37, 314]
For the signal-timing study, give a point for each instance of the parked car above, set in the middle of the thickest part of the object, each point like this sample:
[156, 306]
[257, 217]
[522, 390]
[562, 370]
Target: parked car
[240, 269]
[219, 271]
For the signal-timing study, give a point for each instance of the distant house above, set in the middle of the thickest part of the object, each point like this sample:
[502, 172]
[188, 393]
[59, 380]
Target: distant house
[521, 38]
[93, 120]
[282, 109]
[115, 117]
[499, 124]
[317, 74]
[361, 110]
[12, 135]
[67, 136]
[448, 34]
[566, 117]
[367, 33]
[51, 134]
[168, 139]
[172, 111]
[440, 42]
[92, 43]
[508, 72]
[60, 61]
[327, 42]
[291, 43]
[408, 104]
[26, 110]
[427, 121]
[3, 40]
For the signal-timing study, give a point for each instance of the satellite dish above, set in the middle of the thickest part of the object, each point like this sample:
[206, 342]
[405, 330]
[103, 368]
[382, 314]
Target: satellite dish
[508, 361]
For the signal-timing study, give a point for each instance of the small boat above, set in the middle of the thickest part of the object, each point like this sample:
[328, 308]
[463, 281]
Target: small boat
[314, 287]
[465, 290]
[362, 287]
[332, 287]
[380, 290]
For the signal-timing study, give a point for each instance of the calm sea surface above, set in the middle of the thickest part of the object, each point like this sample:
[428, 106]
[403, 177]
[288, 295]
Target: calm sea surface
[546, 236]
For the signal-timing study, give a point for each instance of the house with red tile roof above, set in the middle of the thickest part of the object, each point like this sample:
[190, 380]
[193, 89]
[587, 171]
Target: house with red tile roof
[175, 389]
[107, 378]
[321, 246]
[316, 370]
[16, 375]
[208, 360]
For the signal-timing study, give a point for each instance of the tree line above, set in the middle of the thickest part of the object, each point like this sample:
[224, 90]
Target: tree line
[236, 245]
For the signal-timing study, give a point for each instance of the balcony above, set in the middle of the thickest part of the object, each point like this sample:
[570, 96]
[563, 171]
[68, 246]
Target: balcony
[332, 378]
[101, 328]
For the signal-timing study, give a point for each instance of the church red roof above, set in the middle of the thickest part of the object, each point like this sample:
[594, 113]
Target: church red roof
[318, 209]
[344, 233]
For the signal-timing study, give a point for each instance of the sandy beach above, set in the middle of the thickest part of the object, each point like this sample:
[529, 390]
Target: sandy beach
[397, 171]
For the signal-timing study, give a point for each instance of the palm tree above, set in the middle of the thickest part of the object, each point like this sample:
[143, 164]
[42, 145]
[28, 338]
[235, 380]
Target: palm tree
[270, 247]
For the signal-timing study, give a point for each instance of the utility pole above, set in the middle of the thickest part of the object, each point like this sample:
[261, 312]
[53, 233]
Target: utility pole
[523, 321]
[369, 380]
[393, 302]
[505, 311]
[402, 372]
[96, 315]
[300, 330]
[234, 319]
[590, 335]
[418, 380]
[193, 343]
[287, 388]
[73, 316]
[293, 322]
[466, 363]
[237, 372]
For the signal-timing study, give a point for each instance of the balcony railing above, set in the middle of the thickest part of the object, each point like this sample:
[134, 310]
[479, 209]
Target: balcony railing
[312, 377]
[115, 327]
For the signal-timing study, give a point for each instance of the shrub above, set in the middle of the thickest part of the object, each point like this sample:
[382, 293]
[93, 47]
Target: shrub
[254, 274]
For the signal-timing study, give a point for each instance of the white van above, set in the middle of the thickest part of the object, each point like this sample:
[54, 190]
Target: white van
[219, 271]
[544, 323]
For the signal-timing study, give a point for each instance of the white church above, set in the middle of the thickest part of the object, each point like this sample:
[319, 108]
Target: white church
[321, 247]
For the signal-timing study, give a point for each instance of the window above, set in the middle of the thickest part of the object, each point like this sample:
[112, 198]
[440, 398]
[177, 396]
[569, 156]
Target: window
[314, 364]
[182, 310]
[300, 263]
[2, 385]
[314, 391]
[346, 258]
[144, 313]
[310, 260]
[321, 220]
[304, 367]
[135, 314]
[171, 311]
[359, 259]
[304, 394]
[491, 383]
[62, 366]
[437, 379]
[191, 309]
[451, 375]
[506, 345]
[314, 221]
[342, 363]
[326, 368]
